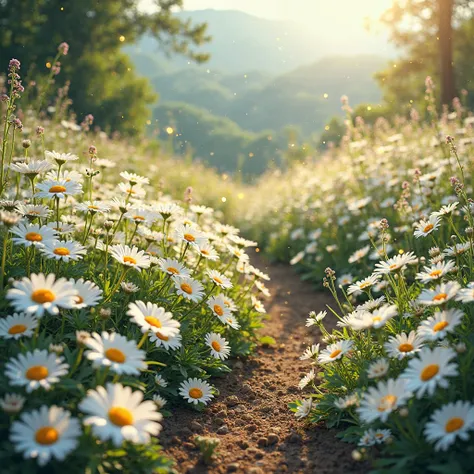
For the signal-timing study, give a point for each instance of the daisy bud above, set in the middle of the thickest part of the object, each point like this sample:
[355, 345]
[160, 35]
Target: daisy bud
[105, 313]
[389, 440]
[356, 455]
[92, 150]
[81, 337]
[12, 403]
[460, 347]
[469, 232]
[26, 143]
[404, 412]
[39, 131]
[57, 348]
[108, 225]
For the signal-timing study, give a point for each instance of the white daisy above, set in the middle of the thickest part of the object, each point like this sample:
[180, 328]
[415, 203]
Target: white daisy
[196, 391]
[218, 306]
[60, 158]
[308, 378]
[12, 403]
[118, 414]
[160, 402]
[115, 351]
[63, 250]
[403, 345]
[220, 348]
[189, 288]
[435, 272]
[41, 293]
[378, 402]
[173, 267]
[167, 342]
[438, 326]
[440, 294]
[310, 352]
[130, 256]
[151, 317]
[230, 320]
[190, 235]
[395, 263]
[18, 325]
[33, 168]
[378, 369]
[32, 234]
[424, 228]
[33, 211]
[466, 295]
[45, 433]
[160, 381]
[315, 318]
[304, 408]
[58, 189]
[219, 279]
[363, 285]
[93, 207]
[429, 370]
[134, 178]
[449, 422]
[383, 314]
[208, 252]
[334, 351]
[88, 293]
[35, 369]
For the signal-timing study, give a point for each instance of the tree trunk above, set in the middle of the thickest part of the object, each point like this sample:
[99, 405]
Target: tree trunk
[445, 33]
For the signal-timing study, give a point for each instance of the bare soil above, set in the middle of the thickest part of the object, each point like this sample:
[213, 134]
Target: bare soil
[257, 432]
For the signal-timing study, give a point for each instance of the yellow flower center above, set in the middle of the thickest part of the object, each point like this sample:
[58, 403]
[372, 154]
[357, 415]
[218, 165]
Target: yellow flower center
[393, 266]
[131, 260]
[115, 355]
[189, 238]
[152, 321]
[138, 218]
[387, 402]
[57, 189]
[217, 280]
[173, 270]
[429, 372]
[436, 273]
[440, 326]
[204, 252]
[120, 416]
[406, 347]
[79, 299]
[43, 296]
[440, 297]
[364, 285]
[33, 237]
[162, 337]
[335, 353]
[454, 424]
[46, 435]
[218, 310]
[17, 329]
[428, 228]
[94, 208]
[37, 372]
[61, 251]
[376, 319]
[187, 288]
[195, 393]
[216, 346]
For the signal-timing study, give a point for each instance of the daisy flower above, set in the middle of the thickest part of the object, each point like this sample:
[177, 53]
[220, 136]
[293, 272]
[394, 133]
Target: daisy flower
[58, 189]
[208, 252]
[218, 306]
[440, 294]
[167, 342]
[345, 279]
[130, 257]
[134, 179]
[33, 168]
[168, 209]
[310, 352]
[189, 288]
[160, 381]
[18, 325]
[230, 320]
[173, 267]
[359, 254]
[88, 293]
[93, 207]
[315, 318]
[33, 211]
[190, 235]
[403, 345]
[196, 391]
[424, 228]
[61, 228]
[448, 423]
[438, 326]
[32, 234]
[258, 305]
[381, 315]
[63, 250]
[446, 210]
[334, 351]
[466, 295]
[429, 370]
[160, 402]
[378, 369]
[60, 158]
[115, 351]
[35, 369]
[370, 305]
[41, 293]
[151, 317]
[378, 402]
[435, 272]
[346, 402]
[45, 434]
[219, 279]
[140, 215]
[395, 264]
[129, 287]
[220, 348]
[304, 408]
[134, 192]
[308, 378]
[118, 414]
[12, 403]
[363, 285]
[457, 249]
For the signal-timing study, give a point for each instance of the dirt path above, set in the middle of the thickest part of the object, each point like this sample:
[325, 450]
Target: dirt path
[258, 435]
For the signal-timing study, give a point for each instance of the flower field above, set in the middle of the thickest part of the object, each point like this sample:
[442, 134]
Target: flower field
[387, 220]
[119, 301]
